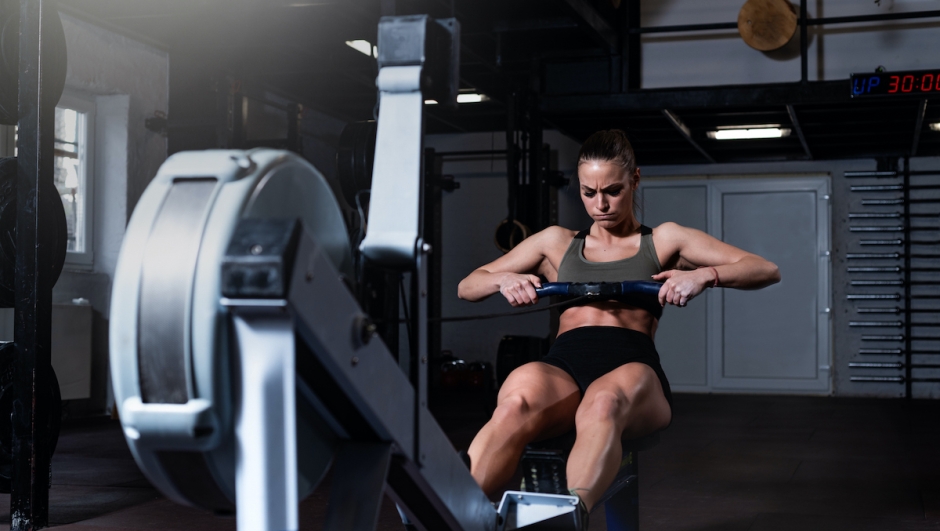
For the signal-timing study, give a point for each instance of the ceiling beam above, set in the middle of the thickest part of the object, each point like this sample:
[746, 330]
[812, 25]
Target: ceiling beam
[799, 130]
[918, 125]
[686, 132]
[598, 27]
[538, 24]
[731, 96]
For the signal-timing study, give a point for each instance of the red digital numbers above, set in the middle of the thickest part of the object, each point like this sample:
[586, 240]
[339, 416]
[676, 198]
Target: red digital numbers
[907, 83]
[926, 83]
[895, 81]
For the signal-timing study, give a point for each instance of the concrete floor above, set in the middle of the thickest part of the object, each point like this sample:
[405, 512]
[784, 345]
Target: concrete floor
[756, 463]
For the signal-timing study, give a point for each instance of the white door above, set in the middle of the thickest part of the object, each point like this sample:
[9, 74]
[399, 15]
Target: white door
[776, 339]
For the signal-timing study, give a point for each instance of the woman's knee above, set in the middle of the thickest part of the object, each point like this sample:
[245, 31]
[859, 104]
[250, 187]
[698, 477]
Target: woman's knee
[617, 396]
[602, 406]
[513, 407]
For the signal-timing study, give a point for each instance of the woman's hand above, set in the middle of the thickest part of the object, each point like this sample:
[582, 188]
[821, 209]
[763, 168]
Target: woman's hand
[679, 287]
[519, 289]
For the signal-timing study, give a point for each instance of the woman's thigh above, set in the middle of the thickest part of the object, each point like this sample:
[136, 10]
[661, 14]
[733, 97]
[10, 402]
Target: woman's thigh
[544, 394]
[631, 396]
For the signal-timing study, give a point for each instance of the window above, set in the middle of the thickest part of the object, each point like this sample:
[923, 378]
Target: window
[73, 171]
[73, 121]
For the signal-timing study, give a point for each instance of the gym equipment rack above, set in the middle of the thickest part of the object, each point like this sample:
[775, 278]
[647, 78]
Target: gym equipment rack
[910, 276]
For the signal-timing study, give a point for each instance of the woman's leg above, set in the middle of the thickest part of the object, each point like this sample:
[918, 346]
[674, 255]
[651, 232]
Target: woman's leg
[627, 401]
[536, 400]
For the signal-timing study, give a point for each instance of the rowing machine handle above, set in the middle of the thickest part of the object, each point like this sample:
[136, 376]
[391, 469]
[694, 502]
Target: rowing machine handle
[577, 289]
[642, 294]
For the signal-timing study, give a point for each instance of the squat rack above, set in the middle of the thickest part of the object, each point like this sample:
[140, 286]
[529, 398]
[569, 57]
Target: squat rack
[29, 497]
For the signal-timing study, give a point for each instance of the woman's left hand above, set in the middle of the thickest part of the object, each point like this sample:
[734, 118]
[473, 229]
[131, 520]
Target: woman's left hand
[679, 287]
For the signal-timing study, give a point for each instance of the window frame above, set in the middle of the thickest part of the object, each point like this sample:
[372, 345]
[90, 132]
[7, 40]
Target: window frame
[86, 105]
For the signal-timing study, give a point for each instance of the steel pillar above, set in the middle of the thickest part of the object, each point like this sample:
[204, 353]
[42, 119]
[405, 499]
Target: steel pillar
[29, 498]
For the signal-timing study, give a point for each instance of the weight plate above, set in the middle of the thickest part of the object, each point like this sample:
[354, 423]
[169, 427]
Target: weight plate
[7, 361]
[52, 204]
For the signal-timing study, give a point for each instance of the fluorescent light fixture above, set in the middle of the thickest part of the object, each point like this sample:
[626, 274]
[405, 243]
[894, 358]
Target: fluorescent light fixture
[464, 98]
[748, 132]
[363, 47]
[472, 98]
[935, 126]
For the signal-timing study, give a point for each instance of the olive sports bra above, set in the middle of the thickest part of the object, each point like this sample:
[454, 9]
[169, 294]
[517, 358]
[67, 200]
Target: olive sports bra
[641, 266]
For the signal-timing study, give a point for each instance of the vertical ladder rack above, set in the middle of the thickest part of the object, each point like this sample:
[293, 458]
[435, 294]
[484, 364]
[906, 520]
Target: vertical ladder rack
[894, 279]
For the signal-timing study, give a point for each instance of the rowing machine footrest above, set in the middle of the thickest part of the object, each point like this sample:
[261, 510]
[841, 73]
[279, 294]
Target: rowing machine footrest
[543, 471]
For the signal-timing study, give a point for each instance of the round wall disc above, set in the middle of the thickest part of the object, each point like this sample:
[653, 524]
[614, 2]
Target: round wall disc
[767, 25]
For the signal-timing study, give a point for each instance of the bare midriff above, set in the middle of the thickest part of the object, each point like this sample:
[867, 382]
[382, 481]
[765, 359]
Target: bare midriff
[607, 314]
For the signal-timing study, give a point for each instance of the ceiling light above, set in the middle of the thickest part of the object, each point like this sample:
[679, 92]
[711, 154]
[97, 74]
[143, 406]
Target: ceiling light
[472, 98]
[748, 132]
[363, 47]
[464, 98]
[935, 126]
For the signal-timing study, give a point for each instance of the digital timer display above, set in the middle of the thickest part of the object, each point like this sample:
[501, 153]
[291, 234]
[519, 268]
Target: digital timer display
[895, 83]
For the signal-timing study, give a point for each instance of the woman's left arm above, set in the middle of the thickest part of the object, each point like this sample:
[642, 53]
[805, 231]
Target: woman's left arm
[716, 262]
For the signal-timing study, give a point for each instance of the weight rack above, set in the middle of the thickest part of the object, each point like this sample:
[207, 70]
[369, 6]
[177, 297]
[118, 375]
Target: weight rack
[899, 287]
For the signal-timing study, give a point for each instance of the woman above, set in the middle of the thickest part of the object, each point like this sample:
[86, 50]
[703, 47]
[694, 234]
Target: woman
[602, 376]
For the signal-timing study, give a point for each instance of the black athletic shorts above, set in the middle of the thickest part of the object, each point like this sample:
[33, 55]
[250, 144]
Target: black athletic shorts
[589, 352]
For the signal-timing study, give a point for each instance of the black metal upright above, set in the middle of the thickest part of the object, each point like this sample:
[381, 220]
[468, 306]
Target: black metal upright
[908, 343]
[537, 187]
[631, 53]
[29, 499]
[433, 234]
[512, 155]
[804, 44]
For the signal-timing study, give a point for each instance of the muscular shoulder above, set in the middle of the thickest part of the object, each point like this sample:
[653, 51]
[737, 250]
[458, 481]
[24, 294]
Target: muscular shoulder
[545, 243]
[551, 244]
[555, 235]
[669, 232]
[678, 234]
[668, 239]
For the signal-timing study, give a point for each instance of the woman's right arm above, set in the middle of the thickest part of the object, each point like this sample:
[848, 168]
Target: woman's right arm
[512, 274]
[518, 288]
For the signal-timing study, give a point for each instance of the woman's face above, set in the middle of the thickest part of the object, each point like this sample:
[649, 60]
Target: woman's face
[607, 192]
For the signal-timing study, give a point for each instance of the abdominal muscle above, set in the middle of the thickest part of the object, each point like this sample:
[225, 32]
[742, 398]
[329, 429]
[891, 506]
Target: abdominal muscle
[607, 314]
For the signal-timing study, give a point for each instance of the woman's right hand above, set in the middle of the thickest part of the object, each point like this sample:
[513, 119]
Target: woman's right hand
[519, 289]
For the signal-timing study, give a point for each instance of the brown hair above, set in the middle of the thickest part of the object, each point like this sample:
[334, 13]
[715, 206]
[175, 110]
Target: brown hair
[611, 146]
[608, 146]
